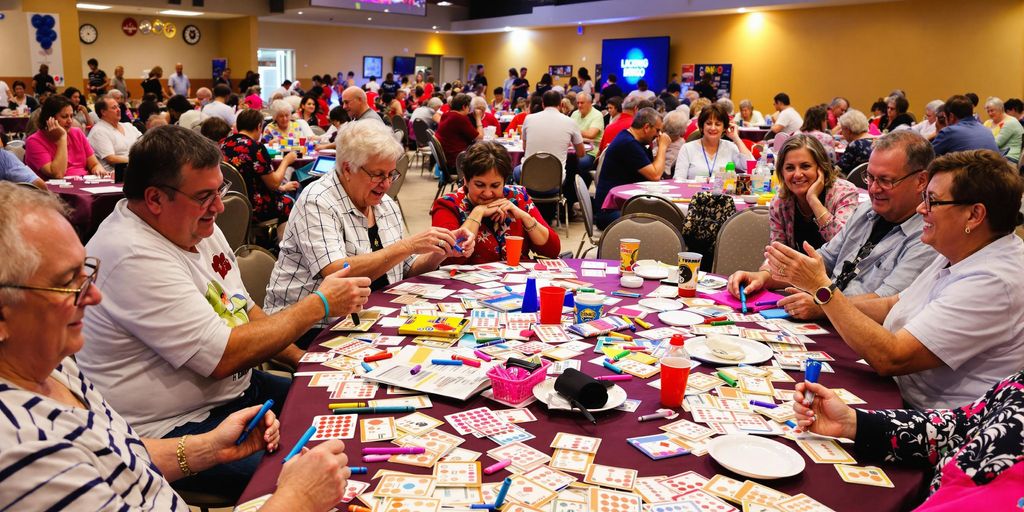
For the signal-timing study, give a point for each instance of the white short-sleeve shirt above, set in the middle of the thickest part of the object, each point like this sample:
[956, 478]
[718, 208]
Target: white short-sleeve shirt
[790, 120]
[971, 316]
[163, 324]
[107, 140]
[221, 110]
[692, 163]
[550, 131]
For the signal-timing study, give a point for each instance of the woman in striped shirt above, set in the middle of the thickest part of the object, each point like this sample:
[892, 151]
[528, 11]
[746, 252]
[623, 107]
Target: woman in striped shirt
[61, 446]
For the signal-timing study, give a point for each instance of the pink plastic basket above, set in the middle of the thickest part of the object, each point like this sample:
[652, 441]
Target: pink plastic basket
[515, 391]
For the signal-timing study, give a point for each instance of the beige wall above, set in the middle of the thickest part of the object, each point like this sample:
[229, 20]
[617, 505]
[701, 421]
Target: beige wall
[930, 48]
[15, 62]
[323, 49]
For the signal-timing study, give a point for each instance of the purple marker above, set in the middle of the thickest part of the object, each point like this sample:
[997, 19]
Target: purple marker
[812, 369]
[398, 450]
[766, 405]
[614, 377]
[771, 303]
[415, 369]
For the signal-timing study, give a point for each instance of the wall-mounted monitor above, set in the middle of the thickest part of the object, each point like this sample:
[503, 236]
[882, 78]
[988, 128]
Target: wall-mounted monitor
[404, 66]
[635, 59]
[373, 66]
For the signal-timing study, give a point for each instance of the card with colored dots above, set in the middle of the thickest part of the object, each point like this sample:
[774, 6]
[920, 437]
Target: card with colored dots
[334, 426]
[406, 504]
[868, 475]
[605, 500]
[410, 486]
[611, 476]
[451, 474]
[566, 441]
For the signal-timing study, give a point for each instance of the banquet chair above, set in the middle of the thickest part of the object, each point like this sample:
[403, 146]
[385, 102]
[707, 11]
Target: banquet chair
[694, 135]
[448, 176]
[542, 173]
[596, 173]
[704, 219]
[205, 501]
[659, 240]
[396, 186]
[232, 174]
[19, 151]
[255, 264]
[317, 130]
[741, 241]
[419, 129]
[587, 207]
[657, 206]
[399, 124]
[856, 176]
[234, 220]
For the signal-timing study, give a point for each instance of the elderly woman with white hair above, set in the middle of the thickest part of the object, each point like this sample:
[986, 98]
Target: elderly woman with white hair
[346, 218]
[674, 127]
[747, 116]
[853, 127]
[1006, 129]
[927, 127]
[479, 105]
[283, 126]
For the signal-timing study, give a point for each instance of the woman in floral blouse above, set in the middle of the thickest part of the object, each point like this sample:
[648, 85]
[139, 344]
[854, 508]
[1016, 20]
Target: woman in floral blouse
[977, 450]
[266, 185]
[493, 210]
[813, 204]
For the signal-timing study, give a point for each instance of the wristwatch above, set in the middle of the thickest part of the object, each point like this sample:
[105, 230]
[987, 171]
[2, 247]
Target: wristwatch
[824, 294]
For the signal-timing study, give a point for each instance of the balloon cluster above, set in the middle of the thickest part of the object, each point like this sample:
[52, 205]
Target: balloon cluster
[45, 35]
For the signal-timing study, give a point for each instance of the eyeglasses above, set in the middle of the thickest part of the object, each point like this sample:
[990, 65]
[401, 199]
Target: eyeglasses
[205, 199]
[377, 179]
[91, 264]
[886, 183]
[929, 202]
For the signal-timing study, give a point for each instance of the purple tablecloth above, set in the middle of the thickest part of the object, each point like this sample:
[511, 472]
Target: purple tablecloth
[617, 196]
[87, 209]
[755, 134]
[820, 481]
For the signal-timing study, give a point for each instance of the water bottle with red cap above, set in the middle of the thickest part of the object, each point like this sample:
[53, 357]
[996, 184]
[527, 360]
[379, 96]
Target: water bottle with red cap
[675, 371]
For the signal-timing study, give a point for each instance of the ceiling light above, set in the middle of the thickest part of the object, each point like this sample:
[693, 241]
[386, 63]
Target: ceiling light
[369, 19]
[508, 29]
[93, 7]
[173, 12]
[437, 31]
[387, 10]
[300, 13]
[443, 4]
[741, 10]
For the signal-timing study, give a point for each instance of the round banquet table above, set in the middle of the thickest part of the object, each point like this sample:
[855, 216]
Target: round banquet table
[679, 192]
[516, 150]
[819, 481]
[90, 202]
[14, 124]
[754, 133]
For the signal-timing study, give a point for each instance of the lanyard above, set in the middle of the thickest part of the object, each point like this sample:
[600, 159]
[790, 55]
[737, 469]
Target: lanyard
[711, 171]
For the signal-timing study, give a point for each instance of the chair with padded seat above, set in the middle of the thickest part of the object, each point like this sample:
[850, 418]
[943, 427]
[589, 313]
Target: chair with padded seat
[256, 264]
[232, 174]
[419, 130]
[399, 124]
[235, 220]
[587, 207]
[449, 175]
[655, 205]
[542, 174]
[205, 501]
[659, 240]
[856, 176]
[596, 173]
[396, 186]
[741, 241]
[694, 135]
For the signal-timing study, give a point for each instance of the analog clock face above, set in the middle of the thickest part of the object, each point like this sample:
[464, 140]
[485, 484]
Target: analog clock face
[191, 34]
[87, 33]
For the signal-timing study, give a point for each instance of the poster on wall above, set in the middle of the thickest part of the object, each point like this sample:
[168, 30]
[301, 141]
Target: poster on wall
[560, 71]
[219, 65]
[43, 47]
[686, 77]
[373, 66]
[721, 77]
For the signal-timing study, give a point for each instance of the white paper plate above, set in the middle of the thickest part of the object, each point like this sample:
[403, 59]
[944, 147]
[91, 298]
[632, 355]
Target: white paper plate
[680, 318]
[661, 304]
[755, 456]
[754, 352]
[651, 272]
[545, 392]
[712, 282]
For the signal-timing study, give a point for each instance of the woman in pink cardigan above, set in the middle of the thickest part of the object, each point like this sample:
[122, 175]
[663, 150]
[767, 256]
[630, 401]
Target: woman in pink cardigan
[812, 204]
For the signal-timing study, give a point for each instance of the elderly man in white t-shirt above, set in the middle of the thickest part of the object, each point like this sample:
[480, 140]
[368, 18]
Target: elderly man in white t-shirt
[219, 107]
[173, 345]
[787, 120]
[110, 138]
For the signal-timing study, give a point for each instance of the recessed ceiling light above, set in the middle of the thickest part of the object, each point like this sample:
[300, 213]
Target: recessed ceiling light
[508, 29]
[434, 27]
[387, 10]
[741, 10]
[93, 7]
[300, 13]
[173, 12]
[369, 19]
[443, 4]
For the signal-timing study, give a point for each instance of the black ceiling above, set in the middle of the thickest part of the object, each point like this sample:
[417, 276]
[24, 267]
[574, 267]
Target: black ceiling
[479, 9]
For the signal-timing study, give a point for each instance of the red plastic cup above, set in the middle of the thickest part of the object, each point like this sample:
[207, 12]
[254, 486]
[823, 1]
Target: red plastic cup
[551, 300]
[513, 249]
[302, 141]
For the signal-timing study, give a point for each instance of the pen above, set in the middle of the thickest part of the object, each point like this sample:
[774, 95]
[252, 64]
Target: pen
[743, 299]
[612, 367]
[396, 450]
[655, 416]
[489, 343]
[791, 423]
[771, 303]
[358, 470]
[447, 362]
[255, 421]
[355, 316]
[342, 405]
[357, 508]
[381, 409]
[614, 378]
[508, 288]
[483, 506]
[376, 458]
[728, 380]
[626, 294]
[711, 319]
[812, 368]
[586, 290]
[494, 468]
[500, 499]
[310, 432]
[456, 247]
[620, 355]
[766, 405]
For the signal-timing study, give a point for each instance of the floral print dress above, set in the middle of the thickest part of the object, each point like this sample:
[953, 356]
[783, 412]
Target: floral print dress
[253, 161]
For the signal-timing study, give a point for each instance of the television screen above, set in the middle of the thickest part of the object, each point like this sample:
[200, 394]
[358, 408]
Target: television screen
[417, 7]
[404, 66]
[631, 60]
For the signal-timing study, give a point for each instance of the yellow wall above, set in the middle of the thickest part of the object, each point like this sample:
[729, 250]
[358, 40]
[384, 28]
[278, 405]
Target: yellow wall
[323, 49]
[238, 39]
[930, 48]
[14, 36]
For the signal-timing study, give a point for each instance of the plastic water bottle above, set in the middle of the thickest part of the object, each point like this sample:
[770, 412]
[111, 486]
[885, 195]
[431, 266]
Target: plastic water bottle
[769, 162]
[718, 180]
[675, 371]
[729, 186]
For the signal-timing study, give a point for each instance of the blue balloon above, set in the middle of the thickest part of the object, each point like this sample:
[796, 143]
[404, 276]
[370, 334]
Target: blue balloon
[48, 21]
[37, 20]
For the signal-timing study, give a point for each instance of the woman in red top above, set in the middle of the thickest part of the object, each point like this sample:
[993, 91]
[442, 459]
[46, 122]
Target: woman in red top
[457, 131]
[492, 210]
[536, 105]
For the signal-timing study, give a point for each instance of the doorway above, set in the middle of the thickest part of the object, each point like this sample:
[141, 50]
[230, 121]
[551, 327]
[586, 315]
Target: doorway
[275, 66]
[451, 69]
[428, 64]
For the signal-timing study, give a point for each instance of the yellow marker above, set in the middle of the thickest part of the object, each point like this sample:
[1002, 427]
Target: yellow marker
[642, 323]
[627, 319]
[620, 336]
[346, 405]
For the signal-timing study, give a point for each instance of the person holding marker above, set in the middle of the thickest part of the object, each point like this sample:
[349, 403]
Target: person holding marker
[63, 446]
[347, 218]
[959, 327]
[975, 449]
[489, 209]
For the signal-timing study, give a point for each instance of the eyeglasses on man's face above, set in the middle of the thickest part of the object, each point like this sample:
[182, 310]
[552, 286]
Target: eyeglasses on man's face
[92, 266]
[378, 178]
[886, 183]
[205, 199]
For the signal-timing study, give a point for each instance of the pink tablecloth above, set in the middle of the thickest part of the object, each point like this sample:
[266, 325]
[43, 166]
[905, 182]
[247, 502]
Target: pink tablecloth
[676, 191]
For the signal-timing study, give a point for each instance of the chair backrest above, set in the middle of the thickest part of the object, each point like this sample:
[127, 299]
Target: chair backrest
[856, 176]
[435, 149]
[19, 151]
[234, 220]
[657, 206]
[419, 129]
[542, 172]
[586, 206]
[694, 135]
[600, 165]
[16, 143]
[704, 219]
[399, 123]
[256, 264]
[317, 130]
[659, 240]
[232, 174]
[402, 167]
[741, 241]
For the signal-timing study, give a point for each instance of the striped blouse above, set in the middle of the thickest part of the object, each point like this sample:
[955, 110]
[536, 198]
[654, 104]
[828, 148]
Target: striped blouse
[58, 457]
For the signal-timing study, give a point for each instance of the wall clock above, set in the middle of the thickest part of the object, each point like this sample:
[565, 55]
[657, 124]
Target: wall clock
[87, 33]
[191, 34]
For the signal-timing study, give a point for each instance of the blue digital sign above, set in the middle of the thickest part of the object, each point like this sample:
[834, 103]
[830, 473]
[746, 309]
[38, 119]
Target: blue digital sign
[634, 59]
